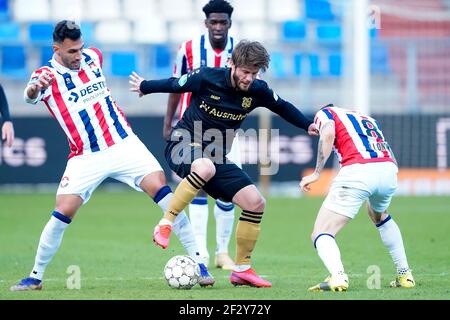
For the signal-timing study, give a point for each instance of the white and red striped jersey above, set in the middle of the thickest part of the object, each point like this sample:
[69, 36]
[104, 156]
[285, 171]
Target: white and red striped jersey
[359, 138]
[82, 104]
[197, 53]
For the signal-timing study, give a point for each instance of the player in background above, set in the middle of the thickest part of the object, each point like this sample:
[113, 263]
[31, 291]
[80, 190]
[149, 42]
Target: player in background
[368, 172]
[212, 50]
[221, 99]
[7, 127]
[102, 144]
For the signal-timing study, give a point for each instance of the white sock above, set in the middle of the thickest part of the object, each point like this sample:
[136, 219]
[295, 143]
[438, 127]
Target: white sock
[198, 214]
[328, 251]
[392, 239]
[49, 243]
[181, 226]
[184, 232]
[224, 214]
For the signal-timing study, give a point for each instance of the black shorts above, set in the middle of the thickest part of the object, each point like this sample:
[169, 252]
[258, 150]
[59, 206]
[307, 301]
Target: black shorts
[227, 181]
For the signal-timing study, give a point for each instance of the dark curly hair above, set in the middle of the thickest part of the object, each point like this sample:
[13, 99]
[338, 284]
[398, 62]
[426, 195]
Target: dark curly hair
[218, 6]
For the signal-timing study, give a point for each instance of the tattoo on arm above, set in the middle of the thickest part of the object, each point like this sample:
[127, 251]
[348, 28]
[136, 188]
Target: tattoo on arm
[324, 147]
[320, 157]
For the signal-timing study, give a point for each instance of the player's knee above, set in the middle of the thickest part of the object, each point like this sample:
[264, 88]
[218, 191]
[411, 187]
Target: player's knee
[68, 205]
[204, 168]
[153, 182]
[376, 217]
[257, 204]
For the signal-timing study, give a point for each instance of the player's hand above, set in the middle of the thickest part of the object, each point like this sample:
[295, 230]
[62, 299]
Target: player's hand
[305, 184]
[135, 83]
[44, 81]
[8, 133]
[312, 130]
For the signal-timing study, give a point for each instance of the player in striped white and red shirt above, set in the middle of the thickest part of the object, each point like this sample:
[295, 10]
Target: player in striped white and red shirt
[208, 50]
[102, 144]
[368, 173]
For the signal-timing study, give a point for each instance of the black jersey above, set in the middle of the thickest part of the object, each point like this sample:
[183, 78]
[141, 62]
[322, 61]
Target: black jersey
[216, 105]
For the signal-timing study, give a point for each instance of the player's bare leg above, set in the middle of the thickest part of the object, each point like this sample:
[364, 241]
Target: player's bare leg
[252, 203]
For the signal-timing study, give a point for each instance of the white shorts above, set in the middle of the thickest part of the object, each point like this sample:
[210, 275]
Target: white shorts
[129, 162]
[356, 183]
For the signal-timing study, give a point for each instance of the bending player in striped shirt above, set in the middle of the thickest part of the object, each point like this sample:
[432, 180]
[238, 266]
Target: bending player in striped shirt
[368, 172]
[102, 144]
[211, 50]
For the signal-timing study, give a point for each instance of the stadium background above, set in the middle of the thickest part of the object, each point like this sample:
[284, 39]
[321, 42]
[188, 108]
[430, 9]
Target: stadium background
[312, 45]
[312, 63]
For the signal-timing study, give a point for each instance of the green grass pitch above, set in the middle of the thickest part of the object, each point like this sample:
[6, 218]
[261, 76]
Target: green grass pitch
[110, 240]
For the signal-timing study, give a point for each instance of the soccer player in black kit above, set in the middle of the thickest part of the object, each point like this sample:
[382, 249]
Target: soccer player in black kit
[221, 99]
[7, 127]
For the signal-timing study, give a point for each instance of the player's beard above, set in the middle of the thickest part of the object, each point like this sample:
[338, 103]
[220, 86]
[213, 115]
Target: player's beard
[71, 64]
[238, 81]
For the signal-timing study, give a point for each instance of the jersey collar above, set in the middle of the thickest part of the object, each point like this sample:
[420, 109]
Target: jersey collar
[208, 45]
[62, 69]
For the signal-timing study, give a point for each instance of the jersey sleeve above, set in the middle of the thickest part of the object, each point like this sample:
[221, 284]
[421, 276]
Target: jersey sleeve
[180, 66]
[44, 93]
[322, 117]
[269, 99]
[191, 82]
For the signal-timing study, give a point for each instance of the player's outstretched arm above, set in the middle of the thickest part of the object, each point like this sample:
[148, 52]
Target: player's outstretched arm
[285, 109]
[190, 82]
[324, 149]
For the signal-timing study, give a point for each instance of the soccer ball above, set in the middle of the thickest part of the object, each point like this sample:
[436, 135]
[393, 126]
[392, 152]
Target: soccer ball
[181, 272]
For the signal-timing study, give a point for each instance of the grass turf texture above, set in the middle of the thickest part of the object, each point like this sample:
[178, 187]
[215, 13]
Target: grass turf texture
[111, 241]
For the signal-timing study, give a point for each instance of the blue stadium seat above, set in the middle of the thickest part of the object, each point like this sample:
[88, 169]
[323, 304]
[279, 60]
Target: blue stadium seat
[123, 63]
[41, 32]
[314, 65]
[160, 61]
[4, 10]
[278, 65]
[294, 30]
[88, 33]
[335, 64]
[379, 59]
[329, 32]
[318, 10]
[298, 57]
[9, 32]
[46, 54]
[373, 32]
[14, 62]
